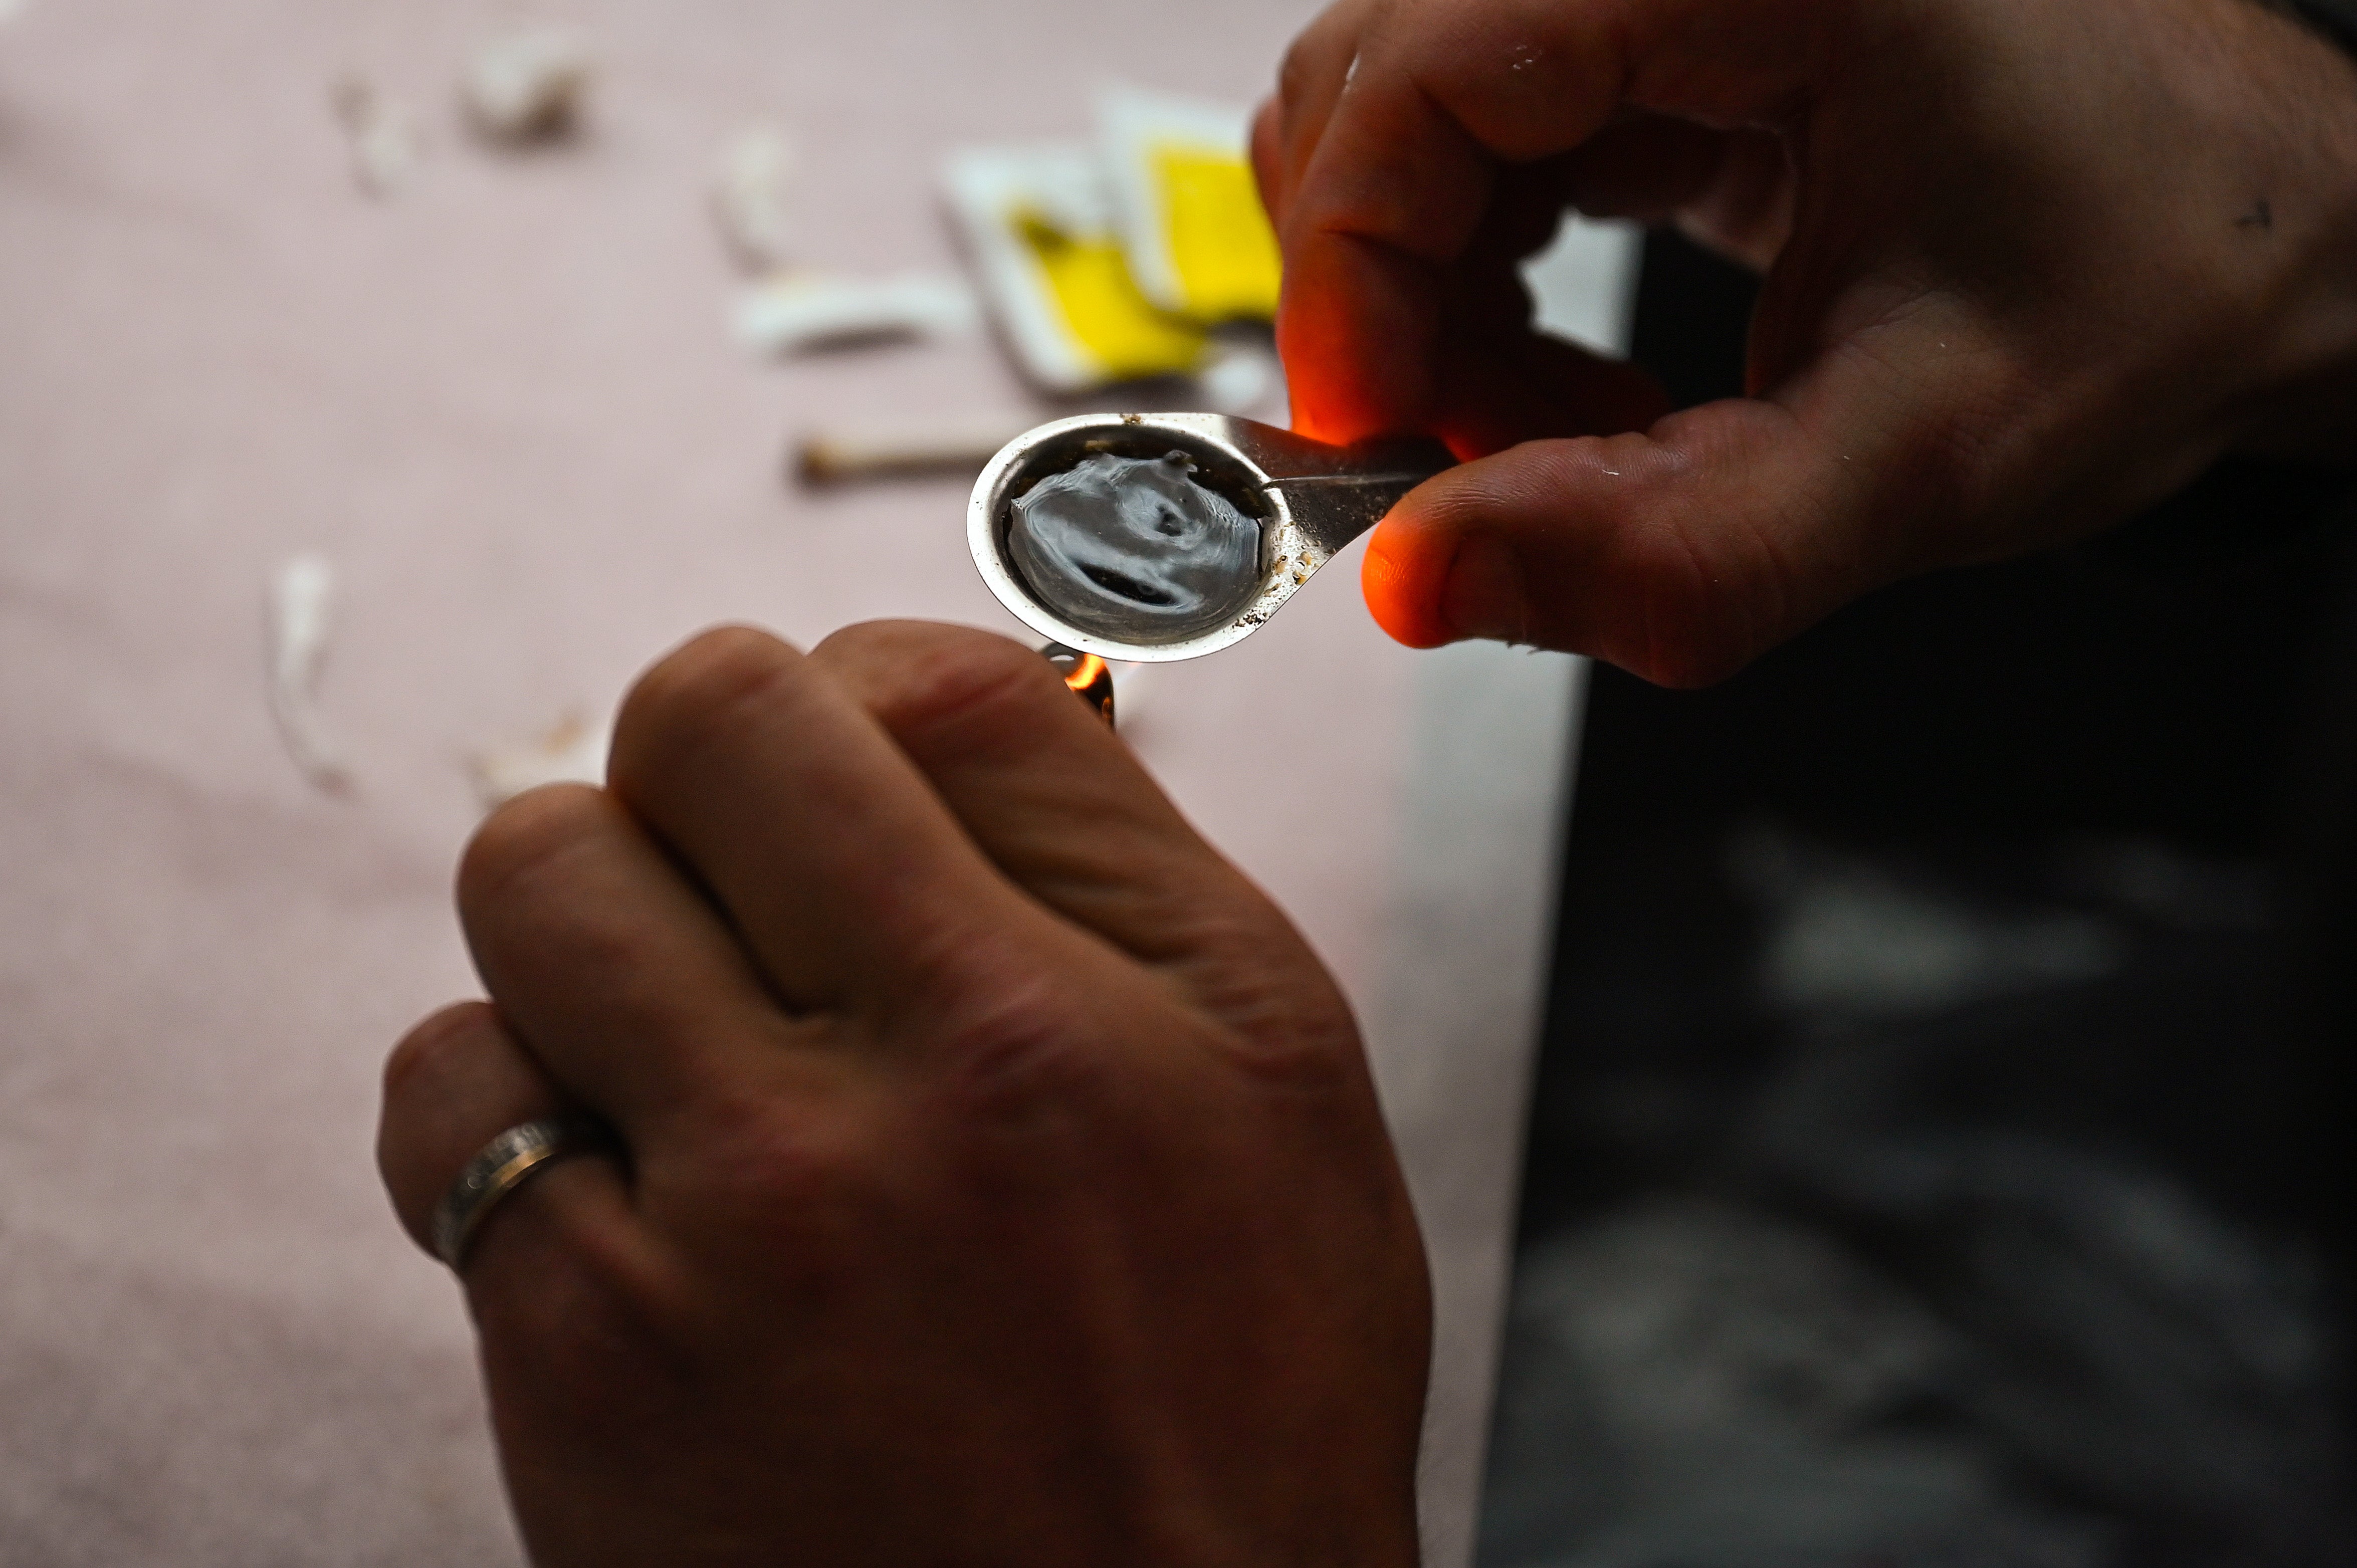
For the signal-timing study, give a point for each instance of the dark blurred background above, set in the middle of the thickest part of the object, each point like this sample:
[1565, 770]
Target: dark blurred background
[1938, 1153]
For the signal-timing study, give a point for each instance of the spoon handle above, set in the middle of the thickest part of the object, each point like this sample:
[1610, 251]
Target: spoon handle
[1337, 493]
[1333, 510]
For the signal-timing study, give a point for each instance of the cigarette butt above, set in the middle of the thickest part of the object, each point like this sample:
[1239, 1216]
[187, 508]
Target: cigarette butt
[841, 457]
[528, 84]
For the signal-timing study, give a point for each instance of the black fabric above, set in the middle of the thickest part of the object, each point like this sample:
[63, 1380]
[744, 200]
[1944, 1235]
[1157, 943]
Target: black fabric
[1966, 991]
[2336, 19]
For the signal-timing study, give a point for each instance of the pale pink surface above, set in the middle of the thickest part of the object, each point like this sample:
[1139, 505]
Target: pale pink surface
[502, 405]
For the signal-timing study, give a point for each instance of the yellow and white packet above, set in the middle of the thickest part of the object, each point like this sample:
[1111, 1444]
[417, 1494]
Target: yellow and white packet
[1037, 226]
[1180, 170]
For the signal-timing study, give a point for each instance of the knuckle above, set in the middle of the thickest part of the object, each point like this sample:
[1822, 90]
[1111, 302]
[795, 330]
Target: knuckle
[595, 1328]
[526, 841]
[809, 1185]
[960, 687]
[432, 1047]
[1284, 1020]
[790, 1174]
[1013, 1038]
[697, 686]
[1283, 1041]
[1293, 76]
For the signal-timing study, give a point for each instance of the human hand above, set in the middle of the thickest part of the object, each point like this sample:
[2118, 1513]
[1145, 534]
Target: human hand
[2030, 264]
[1005, 1181]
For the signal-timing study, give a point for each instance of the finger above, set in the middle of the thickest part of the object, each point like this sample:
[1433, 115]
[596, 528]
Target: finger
[1500, 390]
[1731, 191]
[1043, 787]
[1501, 381]
[829, 851]
[1682, 551]
[1268, 158]
[1309, 81]
[1054, 800]
[621, 976]
[1368, 255]
[453, 1084]
[1445, 91]
[1525, 212]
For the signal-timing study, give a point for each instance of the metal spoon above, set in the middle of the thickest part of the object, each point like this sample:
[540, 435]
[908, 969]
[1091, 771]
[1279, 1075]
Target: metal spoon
[1309, 498]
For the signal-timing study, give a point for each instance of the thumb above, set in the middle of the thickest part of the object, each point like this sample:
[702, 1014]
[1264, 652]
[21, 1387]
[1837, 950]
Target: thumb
[1682, 551]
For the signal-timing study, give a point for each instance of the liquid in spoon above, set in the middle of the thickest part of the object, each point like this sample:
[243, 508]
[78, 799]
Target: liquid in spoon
[1135, 548]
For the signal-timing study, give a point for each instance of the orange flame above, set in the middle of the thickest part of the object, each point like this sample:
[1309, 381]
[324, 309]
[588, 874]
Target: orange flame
[1085, 673]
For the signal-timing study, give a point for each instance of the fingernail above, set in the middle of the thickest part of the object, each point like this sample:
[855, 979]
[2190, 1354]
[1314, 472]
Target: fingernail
[1484, 597]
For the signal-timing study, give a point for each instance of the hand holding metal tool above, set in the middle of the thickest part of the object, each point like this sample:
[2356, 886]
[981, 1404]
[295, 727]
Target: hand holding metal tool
[1151, 537]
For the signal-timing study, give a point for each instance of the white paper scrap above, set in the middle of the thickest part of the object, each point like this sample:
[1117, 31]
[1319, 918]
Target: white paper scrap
[789, 312]
[749, 197]
[301, 606]
[1178, 171]
[1036, 226]
[383, 132]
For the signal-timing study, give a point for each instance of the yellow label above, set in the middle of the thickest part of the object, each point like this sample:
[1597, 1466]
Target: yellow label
[1220, 244]
[1107, 315]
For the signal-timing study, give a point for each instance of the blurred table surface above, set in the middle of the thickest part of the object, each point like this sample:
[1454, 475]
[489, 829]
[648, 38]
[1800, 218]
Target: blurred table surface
[501, 403]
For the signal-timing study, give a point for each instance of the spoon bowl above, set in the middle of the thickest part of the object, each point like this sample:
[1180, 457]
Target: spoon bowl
[1309, 498]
